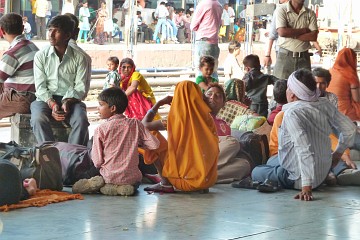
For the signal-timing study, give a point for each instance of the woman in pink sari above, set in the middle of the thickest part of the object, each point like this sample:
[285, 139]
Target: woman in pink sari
[140, 95]
[345, 83]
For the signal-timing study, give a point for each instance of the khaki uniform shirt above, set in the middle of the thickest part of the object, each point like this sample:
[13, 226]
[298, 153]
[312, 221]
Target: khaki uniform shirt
[286, 17]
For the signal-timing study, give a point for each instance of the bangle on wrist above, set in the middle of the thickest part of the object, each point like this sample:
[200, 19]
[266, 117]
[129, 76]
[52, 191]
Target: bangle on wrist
[51, 103]
[152, 111]
[267, 56]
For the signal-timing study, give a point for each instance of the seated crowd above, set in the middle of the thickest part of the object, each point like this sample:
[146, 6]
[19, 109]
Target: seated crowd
[307, 141]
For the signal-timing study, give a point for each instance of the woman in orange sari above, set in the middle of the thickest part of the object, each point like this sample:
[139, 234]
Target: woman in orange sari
[345, 83]
[188, 159]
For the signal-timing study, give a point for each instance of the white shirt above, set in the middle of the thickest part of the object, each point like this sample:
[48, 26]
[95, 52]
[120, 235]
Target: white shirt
[27, 27]
[225, 17]
[304, 144]
[231, 14]
[232, 67]
[41, 7]
[161, 12]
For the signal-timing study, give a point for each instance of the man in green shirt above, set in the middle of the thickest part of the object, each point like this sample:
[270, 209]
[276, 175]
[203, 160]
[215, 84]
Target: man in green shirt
[60, 80]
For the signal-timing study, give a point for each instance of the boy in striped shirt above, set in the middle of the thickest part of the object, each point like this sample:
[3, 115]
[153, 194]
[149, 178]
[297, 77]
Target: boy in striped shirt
[17, 86]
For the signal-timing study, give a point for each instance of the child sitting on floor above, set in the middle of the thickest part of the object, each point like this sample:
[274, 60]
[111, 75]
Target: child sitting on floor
[112, 78]
[280, 98]
[115, 148]
[206, 67]
[256, 84]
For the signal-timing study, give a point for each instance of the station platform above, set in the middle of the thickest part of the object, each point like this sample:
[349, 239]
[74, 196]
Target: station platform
[223, 213]
[147, 55]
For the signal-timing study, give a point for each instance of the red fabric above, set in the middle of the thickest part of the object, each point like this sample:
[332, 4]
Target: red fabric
[222, 128]
[125, 79]
[273, 114]
[138, 106]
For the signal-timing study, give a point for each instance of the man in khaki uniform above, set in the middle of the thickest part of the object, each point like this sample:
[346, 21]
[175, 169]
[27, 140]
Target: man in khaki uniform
[296, 26]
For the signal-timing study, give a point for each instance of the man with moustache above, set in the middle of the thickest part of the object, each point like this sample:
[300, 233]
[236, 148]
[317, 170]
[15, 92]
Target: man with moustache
[296, 26]
[60, 81]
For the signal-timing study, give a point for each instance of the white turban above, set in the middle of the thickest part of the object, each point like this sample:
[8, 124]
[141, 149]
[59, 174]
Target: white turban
[301, 91]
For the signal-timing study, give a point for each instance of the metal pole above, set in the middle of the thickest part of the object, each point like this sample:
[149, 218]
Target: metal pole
[193, 40]
[131, 32]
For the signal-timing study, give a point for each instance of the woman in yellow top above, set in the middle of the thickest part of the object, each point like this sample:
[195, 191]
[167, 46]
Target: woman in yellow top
[140, 95]
[187, 160]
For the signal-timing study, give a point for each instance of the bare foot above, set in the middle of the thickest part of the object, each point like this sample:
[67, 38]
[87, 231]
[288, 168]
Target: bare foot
[30, 185]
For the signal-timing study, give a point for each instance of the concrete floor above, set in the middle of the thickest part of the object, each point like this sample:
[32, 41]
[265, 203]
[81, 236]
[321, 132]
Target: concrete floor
[224, 213]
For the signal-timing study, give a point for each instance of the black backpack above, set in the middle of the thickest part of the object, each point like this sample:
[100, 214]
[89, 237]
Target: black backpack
[41, 162]
[257, 146]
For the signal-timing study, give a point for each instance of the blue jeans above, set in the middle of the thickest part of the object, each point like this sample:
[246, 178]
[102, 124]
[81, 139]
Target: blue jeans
[173, 33]
[273, 172]
[77, 118]
[161, 23]
[203, 48]
[118, 33]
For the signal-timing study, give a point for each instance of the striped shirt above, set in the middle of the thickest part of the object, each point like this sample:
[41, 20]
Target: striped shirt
[332, 98]
[17, 65]
[115, 149]
[304, 144]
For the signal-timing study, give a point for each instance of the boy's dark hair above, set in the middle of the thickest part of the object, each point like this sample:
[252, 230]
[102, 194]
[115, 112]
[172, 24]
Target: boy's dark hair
[180, 10]
[12, 23]
[115, 20]
[114, 60]
[64, 23]
[210, 60]
[324, 73]
[233, 45]
[114, 97]
[138, 12]
[162, 3]
[252, 61]
[74, 18]
[167, 4]
[306, 77]
[216, 85]
[128, 61]
[280, 87]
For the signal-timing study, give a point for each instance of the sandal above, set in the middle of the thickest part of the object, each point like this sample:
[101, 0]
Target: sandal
[159, 187]
[153, 178]
[269, 186]
[246, 183]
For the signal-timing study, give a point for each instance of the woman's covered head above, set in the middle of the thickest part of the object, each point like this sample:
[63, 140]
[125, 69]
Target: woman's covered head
[346, 58]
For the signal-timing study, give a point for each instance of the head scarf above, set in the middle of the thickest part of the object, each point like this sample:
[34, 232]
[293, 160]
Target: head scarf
[125, 79]
[301, 91]
[193, 147]
[346, 63]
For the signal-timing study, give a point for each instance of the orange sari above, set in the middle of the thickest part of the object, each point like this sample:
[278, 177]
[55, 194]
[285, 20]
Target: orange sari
[344, 74]
[189, 156]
